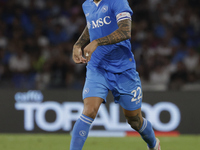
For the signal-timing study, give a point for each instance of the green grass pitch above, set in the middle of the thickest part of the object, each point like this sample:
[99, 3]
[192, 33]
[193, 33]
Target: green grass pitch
[62, 141]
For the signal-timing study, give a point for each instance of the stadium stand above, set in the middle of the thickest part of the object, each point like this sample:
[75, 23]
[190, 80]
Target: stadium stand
[37, 36]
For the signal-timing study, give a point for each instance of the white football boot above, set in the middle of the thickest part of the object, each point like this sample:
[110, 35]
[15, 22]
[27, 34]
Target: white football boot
[157, 147]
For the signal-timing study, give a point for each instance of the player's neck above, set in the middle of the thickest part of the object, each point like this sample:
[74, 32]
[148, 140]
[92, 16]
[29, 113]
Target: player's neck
[96, 1]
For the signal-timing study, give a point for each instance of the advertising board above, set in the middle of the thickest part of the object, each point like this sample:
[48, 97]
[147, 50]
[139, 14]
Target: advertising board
[55, 111]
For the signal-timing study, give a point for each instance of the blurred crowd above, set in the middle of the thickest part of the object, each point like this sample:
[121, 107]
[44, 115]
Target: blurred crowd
[37, 37]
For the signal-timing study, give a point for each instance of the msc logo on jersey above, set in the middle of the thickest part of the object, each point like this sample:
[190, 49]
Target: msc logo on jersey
[99, 22]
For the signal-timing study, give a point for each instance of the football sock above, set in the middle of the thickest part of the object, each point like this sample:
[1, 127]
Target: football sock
[147, 133]
[80, 132]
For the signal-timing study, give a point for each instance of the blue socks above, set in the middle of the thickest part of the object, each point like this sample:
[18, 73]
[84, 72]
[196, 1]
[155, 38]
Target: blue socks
[82, 126]
[80, 132]
[147, 133]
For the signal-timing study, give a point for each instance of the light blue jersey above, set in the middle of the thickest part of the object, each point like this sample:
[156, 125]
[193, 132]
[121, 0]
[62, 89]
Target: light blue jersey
[102, 21]
[111, 67]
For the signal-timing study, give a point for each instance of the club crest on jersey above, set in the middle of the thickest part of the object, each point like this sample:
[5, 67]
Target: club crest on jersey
[104, 9]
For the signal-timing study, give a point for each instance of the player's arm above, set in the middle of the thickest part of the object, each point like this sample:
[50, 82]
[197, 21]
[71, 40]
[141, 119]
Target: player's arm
[121, 34]
[83, 39]
[77, 51]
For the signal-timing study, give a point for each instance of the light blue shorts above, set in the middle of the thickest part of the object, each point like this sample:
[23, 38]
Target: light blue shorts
[125, 87]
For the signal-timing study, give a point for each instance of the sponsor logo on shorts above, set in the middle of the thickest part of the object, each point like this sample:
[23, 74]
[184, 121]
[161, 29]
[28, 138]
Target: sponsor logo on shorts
[86, 91]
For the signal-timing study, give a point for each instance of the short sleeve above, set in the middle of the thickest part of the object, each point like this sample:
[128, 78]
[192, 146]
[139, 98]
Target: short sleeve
[119, 6]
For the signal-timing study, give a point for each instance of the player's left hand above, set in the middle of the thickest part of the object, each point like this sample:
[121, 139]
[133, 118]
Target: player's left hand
[89, 49]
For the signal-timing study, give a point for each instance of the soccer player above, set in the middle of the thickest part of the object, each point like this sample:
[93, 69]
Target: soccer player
[110, 66]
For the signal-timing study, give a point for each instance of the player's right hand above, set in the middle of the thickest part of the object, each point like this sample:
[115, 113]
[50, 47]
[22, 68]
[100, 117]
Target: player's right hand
[77, 55]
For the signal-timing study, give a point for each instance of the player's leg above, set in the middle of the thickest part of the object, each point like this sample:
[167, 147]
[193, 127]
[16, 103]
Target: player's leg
[91, 106]
[94, 93]
[141, 125]
[128, 93]
[82, 125]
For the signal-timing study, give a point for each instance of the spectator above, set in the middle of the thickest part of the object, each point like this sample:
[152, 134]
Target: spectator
[3, 40]
[37, 36]
[57, 35]
[179, 77]
[19, 65]
[191, 60]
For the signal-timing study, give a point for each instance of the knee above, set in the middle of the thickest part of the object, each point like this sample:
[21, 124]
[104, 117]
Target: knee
[135, 122]
[90, 112]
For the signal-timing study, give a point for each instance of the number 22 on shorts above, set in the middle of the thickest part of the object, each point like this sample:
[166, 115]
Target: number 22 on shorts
[134, 92]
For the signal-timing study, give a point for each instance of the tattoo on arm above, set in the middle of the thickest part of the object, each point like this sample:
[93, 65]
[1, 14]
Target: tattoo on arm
[84, 38]
[121, 34]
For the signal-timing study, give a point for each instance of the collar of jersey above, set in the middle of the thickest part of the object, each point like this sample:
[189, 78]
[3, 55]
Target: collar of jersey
[93, 0]
[97, 4]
